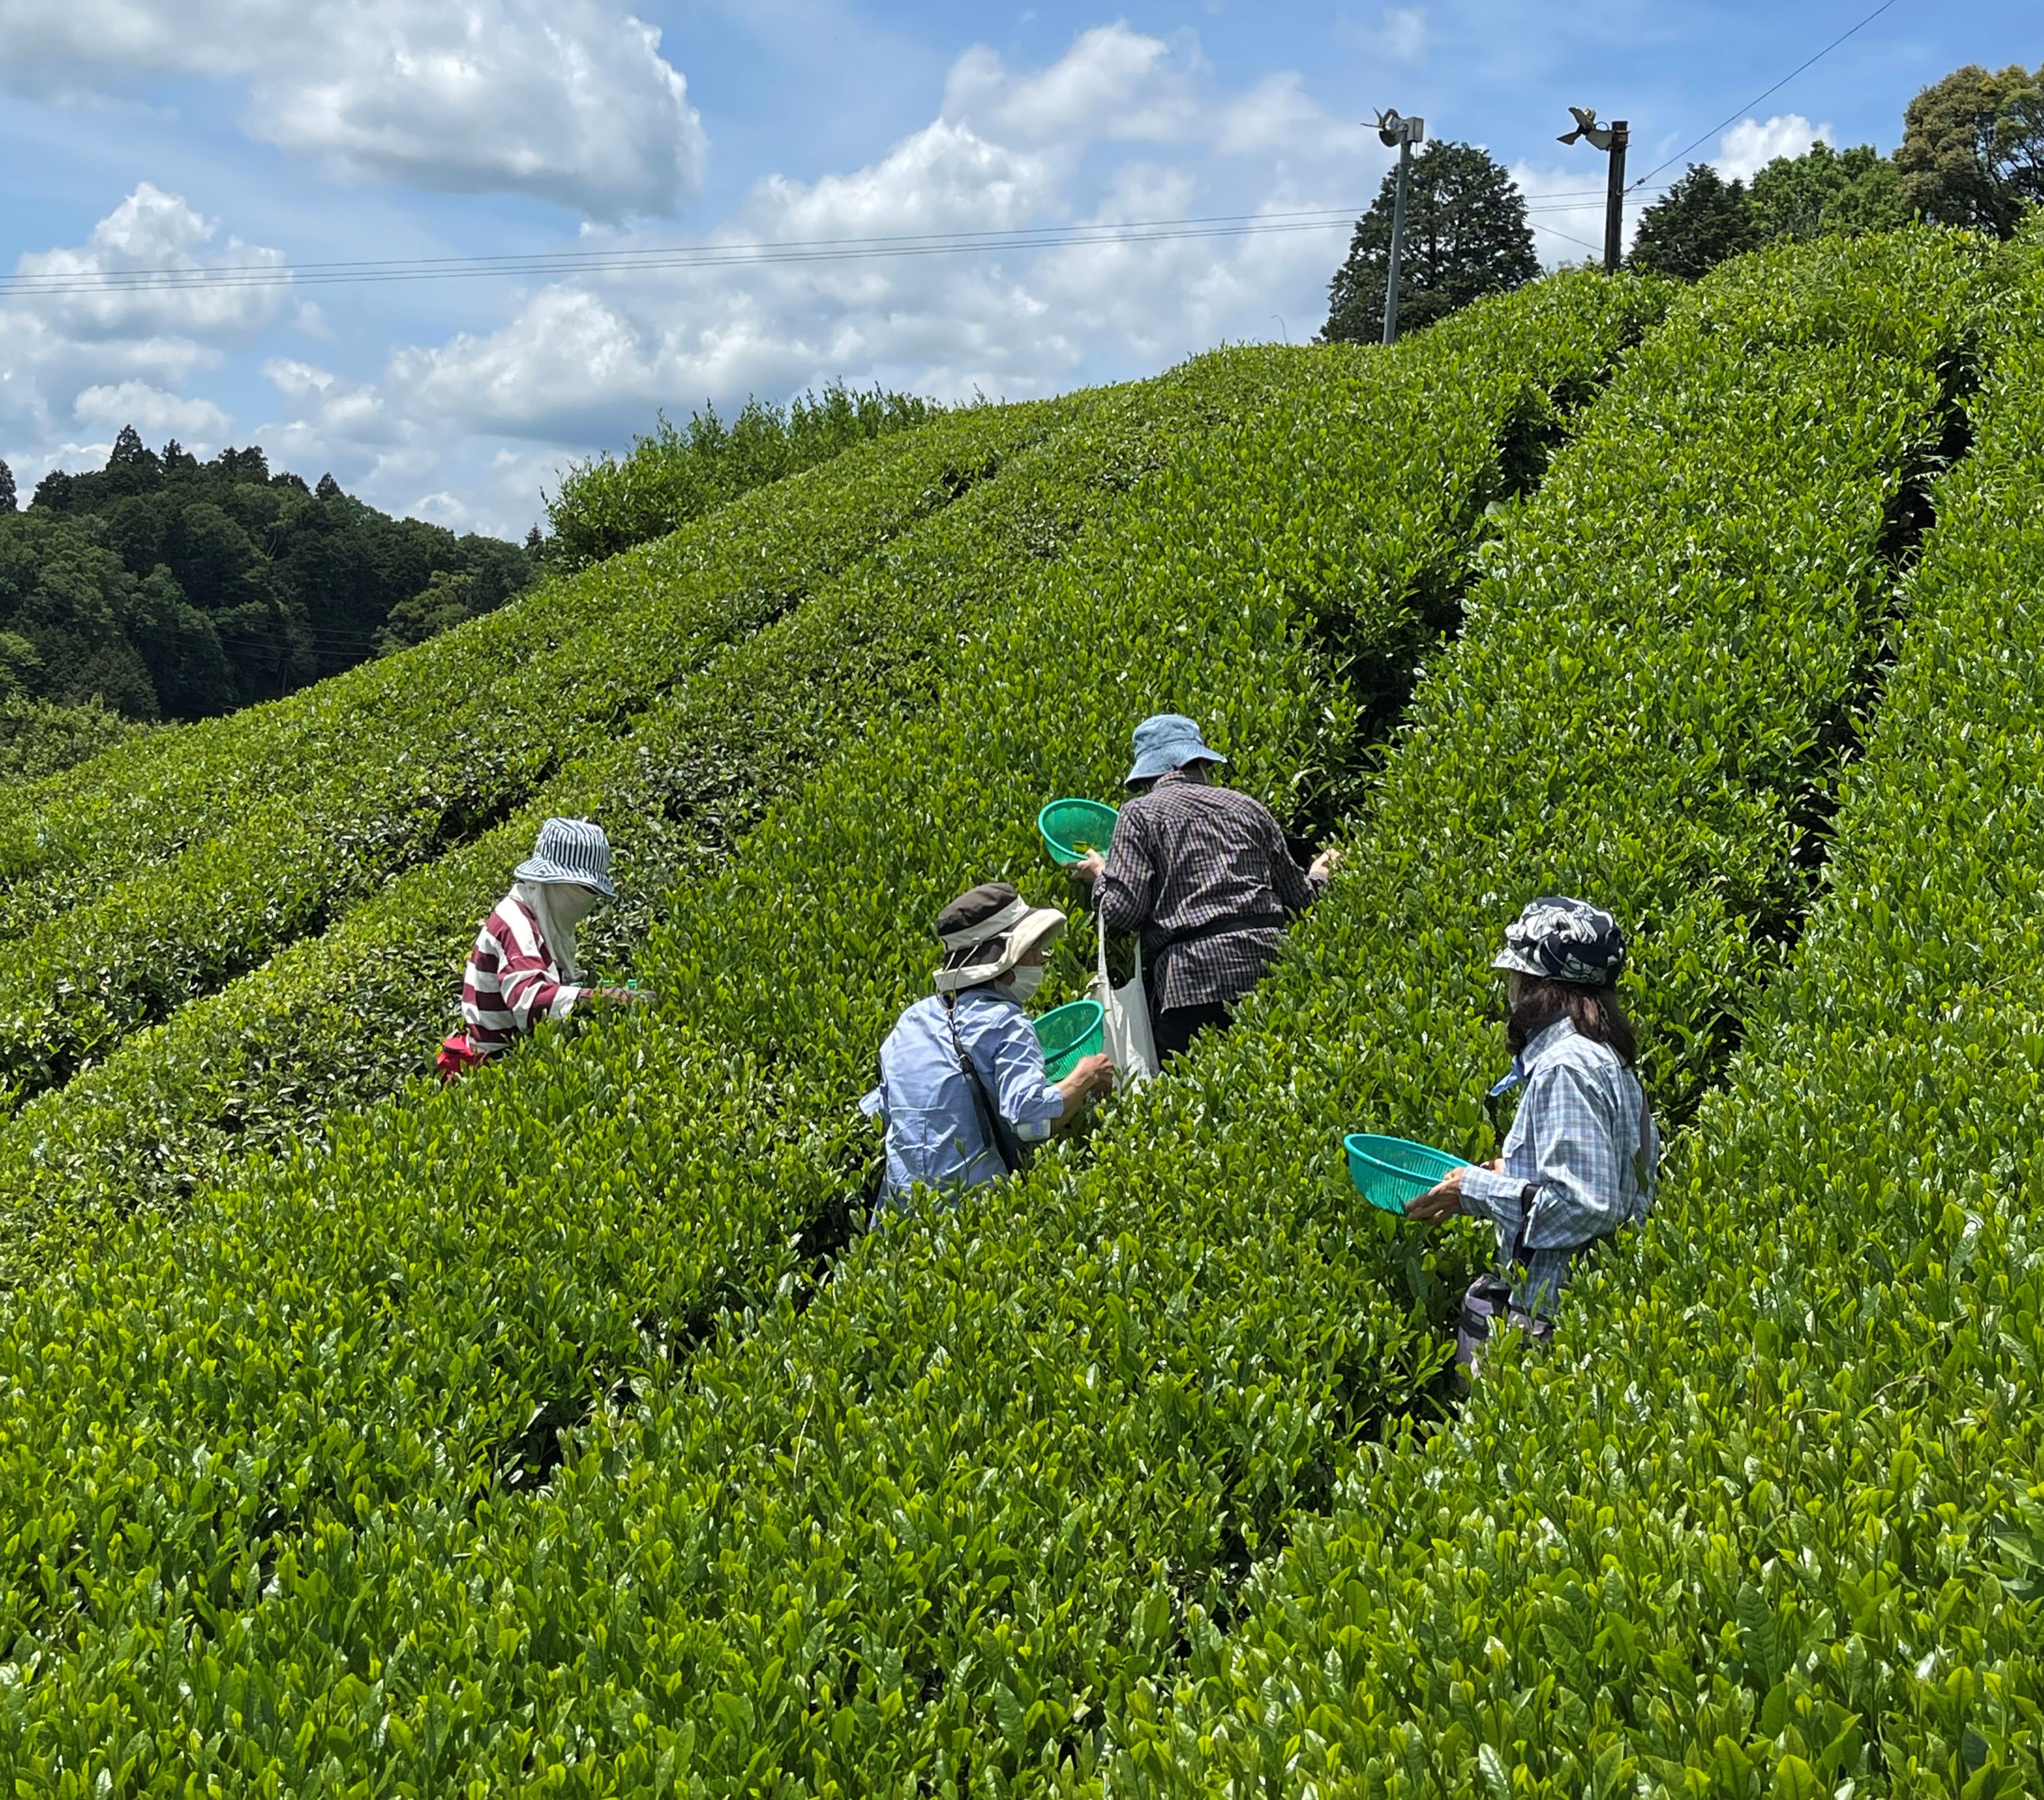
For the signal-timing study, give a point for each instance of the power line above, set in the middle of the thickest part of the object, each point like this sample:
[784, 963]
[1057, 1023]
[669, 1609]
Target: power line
[673, 256]
[1776, 89]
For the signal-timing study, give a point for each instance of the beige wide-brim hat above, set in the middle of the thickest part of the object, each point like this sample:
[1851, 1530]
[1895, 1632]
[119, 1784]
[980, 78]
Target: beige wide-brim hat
[986, 931]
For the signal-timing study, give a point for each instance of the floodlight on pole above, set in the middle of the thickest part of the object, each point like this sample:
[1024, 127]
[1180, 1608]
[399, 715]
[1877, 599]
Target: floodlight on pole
[1613, 138]
[1404, 132]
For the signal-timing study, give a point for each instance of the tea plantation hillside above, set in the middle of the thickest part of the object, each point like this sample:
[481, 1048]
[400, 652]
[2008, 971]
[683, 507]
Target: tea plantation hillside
[557, 1432]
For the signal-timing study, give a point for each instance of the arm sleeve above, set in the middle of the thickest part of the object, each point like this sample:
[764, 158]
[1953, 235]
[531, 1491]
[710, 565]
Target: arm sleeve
[1126, 893]
[1295, 889]
[532, 988]
[1011, 1062]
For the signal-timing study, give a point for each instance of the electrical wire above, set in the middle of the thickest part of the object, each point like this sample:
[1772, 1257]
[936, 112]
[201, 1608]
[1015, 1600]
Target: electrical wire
[672, 256]
[1723, 124]
[59, 283]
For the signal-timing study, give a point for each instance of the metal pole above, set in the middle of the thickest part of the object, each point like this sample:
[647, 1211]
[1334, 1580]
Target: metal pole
[1614, 202]
[1397, 240]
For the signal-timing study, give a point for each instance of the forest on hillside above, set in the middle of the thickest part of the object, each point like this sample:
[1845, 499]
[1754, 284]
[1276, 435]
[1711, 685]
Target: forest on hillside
[167, 587]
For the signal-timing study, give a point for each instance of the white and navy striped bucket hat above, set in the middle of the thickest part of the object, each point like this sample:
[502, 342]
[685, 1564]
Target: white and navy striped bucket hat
[570, 850]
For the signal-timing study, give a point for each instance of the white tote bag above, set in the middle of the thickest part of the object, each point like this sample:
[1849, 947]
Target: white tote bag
[1130, 1046]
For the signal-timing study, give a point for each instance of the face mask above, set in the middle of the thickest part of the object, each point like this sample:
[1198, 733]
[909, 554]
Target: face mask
[1026, 980]
[573, 903]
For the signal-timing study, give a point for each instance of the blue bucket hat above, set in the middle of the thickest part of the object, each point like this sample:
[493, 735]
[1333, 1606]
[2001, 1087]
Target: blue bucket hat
[1564, 940]
[1166, 741]
[570, 851]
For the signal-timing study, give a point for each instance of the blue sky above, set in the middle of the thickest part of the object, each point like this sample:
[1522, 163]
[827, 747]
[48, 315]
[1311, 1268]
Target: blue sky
[279, 134]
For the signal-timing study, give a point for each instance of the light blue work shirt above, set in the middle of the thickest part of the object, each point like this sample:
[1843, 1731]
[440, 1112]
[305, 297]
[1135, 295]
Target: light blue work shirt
[1580, 1159]
[926, 1103]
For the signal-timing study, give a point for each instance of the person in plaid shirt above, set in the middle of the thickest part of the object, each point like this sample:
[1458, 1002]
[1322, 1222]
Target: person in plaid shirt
[1580, 1158]
[1203, 873]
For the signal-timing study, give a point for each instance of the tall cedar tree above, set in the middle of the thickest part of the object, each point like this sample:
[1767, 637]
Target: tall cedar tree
[1466, 236]
[1972, 148]
[6, 489]
[1699, 222]
[1826, 193]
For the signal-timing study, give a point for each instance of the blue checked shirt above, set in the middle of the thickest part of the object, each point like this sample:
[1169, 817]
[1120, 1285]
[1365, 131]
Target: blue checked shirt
[926, 1103]
[1580, 1159]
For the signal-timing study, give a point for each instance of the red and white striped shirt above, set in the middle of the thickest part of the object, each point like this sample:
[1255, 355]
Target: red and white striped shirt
[512, 981]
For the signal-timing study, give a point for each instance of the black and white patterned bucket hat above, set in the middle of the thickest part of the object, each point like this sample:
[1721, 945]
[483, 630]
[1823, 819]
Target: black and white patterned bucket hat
[1562, 939]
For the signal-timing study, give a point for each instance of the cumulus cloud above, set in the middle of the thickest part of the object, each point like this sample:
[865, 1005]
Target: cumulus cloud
[567, 100]
[1564, 206]
[1751, 145]
[96, 288]
[1123, 126]
[153, 413]
[82, 345]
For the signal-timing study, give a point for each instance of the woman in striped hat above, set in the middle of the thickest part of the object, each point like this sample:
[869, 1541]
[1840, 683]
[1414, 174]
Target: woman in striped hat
[523, 967]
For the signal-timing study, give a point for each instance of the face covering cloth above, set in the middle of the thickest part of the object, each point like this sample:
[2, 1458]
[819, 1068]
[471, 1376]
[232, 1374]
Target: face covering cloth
[559, 907]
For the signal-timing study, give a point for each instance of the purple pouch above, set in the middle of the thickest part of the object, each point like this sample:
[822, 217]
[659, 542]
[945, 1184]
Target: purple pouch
[1486, 1301]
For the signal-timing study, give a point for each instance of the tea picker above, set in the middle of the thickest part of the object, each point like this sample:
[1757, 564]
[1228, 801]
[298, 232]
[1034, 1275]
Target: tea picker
[1203, 873]
[1580, 1158]
[965, 1092]
[522, 969]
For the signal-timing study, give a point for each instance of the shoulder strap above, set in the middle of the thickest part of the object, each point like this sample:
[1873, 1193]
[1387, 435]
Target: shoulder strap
[1006, 1147]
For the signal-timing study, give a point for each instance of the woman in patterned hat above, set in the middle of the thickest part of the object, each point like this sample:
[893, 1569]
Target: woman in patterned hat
[963, 1093]
[523, 967]
[1580, 1158]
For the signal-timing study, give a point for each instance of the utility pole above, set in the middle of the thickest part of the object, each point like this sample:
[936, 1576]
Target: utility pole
[1613, 137]
[1404, 133]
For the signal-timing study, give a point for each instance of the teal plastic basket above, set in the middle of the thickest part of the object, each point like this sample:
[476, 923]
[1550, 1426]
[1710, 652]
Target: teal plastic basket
[1073, 829]
[1390, 1172]
[1070, 1032]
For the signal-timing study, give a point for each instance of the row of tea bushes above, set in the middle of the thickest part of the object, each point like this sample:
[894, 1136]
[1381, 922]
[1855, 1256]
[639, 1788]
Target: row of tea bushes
[938, 1526]
[66, 838]
[1767, 1520]
[342, 1020]
[396, 1320]
[368, 1623]
[454, 761]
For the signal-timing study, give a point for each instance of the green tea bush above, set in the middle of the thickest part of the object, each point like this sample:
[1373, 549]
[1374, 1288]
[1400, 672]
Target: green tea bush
[445, 1323]
[354, 1582]
[941, 1524]
[344, 1018]
[39, 737]
[605, 506]
[69, 838]
[459, 758]
[1767, 1521]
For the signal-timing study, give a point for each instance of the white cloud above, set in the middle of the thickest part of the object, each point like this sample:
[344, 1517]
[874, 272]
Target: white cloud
[1399, 36]
[1121, 127]
[568, 100]
[1751, 145]
[99, 287]
[83, 343]
[154, 413]
[1565, 208]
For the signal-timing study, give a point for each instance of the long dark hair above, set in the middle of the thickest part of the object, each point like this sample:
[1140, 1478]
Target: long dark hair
[1594, 1011]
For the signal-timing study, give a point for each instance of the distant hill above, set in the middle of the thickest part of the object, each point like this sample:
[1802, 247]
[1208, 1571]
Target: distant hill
[173, 589]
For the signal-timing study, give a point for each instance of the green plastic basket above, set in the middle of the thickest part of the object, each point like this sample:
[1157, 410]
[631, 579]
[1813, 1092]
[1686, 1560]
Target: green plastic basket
[1390, 1172]
[1070, 1032]
[1069, 824]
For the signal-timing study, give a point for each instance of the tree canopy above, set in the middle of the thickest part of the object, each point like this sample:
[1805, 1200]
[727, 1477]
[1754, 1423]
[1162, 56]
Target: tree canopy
[1972, 148]
[1702, 220]
[1466, 236]
[1825, 192]
[170, 587]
